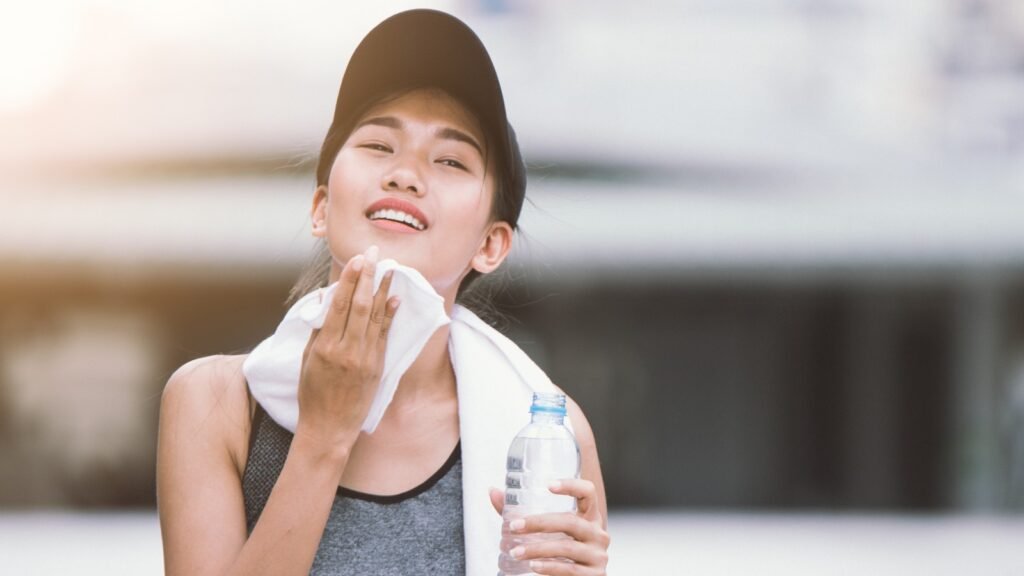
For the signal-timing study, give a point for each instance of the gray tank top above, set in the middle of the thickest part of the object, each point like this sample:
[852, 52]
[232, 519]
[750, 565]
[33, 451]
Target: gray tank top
[416, 532]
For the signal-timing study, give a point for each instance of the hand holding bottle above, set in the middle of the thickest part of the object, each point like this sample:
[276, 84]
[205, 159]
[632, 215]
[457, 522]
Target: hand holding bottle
[551, 521]
[586, 549]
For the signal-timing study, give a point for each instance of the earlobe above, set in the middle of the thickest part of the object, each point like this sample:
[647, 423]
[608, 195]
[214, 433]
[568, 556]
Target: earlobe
[495, 247]
[318, 213]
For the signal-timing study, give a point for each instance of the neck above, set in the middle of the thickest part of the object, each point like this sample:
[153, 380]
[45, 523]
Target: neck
[430, 377]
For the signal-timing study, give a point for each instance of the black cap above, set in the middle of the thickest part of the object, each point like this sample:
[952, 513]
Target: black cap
[427, 48]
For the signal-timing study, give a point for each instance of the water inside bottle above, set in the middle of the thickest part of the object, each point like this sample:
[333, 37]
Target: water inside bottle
[543, 452]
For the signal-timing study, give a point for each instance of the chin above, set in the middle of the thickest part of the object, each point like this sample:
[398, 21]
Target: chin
[403, 256]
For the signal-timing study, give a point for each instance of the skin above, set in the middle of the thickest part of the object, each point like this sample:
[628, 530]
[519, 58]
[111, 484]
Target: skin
[205, 413]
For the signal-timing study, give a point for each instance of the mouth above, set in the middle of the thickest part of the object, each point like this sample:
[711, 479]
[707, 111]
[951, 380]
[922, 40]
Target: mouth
[392, 210]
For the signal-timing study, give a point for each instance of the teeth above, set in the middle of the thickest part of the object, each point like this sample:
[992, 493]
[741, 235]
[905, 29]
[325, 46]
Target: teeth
[397, 216]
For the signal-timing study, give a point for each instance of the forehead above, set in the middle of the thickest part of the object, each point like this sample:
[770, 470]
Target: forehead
[428, 106]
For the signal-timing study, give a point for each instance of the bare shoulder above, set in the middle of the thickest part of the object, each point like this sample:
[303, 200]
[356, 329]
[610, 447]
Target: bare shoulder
[208, 397]
[207, 382]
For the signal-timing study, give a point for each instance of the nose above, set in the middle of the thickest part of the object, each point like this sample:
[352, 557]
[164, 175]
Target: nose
[403, 176]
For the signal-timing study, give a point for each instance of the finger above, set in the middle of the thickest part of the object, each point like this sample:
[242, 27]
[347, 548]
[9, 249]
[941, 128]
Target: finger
[577, 552]
[337, 315]
[497, 500]
[583, 490]
[385, 328]
[309, 344]
[561, 568]
[362, 298]
[380, 308]
[574, 525]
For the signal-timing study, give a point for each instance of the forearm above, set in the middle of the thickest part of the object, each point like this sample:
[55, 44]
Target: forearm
[287, 534]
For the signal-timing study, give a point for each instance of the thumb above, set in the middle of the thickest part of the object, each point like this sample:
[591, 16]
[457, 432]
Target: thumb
[497, 500]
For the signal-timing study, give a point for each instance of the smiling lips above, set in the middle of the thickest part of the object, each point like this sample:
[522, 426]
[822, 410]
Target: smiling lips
[399, 211]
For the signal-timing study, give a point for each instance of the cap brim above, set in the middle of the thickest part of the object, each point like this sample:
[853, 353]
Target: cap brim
[424, 48]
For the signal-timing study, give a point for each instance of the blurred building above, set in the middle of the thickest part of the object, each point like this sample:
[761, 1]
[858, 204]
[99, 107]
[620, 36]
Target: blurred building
[773, 248]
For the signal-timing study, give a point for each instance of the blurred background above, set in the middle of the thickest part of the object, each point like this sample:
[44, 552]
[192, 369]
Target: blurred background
[774, 248]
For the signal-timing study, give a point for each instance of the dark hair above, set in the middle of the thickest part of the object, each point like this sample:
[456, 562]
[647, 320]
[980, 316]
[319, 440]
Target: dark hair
[509, 190]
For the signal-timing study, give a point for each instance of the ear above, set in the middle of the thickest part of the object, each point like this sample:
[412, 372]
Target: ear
[494, 248]
[318, 213]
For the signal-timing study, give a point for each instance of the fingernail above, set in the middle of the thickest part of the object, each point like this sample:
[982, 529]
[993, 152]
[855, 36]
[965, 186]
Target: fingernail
[536, 565]
[556, 485]
[517, 525]
[517, 551]
[372, 252]
[357, 262]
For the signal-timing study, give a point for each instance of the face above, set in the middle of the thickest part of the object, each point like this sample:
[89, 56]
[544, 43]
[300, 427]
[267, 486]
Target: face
[412, 179]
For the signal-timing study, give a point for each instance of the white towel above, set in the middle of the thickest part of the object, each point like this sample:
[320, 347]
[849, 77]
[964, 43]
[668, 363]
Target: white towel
[495, 384]
[272, 368]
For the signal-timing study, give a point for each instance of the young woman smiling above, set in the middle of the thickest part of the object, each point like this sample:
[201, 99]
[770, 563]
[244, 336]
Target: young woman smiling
[419, 166]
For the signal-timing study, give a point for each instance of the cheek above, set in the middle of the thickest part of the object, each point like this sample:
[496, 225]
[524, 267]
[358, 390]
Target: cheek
[346, 182]
[351, 166]
[471, 201]
[468, 218]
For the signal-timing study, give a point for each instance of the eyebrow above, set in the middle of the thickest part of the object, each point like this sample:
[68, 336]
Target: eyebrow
[459, 136]
[446, 133]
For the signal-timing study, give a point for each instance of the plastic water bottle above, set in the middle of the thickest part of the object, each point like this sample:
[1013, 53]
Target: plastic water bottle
[544, 451]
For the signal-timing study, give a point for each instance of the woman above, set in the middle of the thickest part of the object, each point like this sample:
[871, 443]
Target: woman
[420, 166]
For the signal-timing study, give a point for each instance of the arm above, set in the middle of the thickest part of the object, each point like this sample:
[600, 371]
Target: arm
[590, 466]
[203, 415]
[202, 513]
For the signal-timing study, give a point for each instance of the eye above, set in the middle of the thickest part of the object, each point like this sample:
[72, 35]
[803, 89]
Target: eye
[452, 163]
[377, 146]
